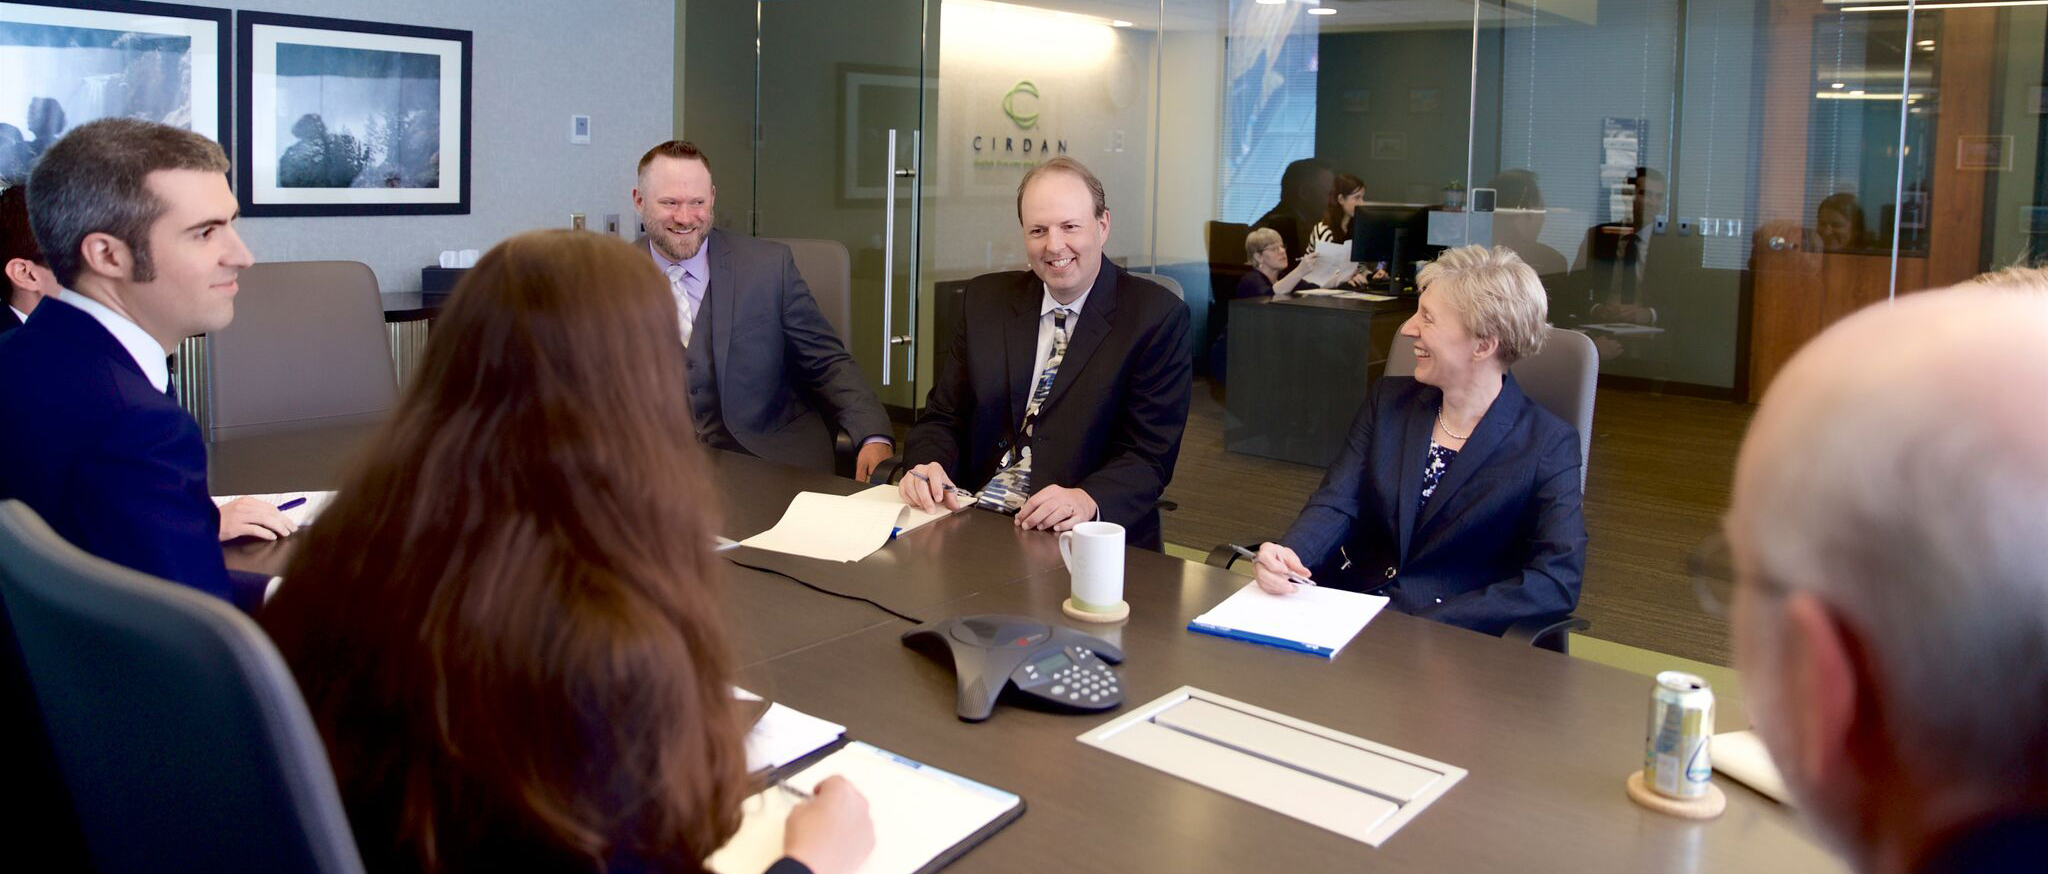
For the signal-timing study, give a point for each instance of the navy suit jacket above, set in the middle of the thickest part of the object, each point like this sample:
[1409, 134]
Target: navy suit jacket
[7, 320]
[113, 465]
[778, 361]
[1113, 421]
[1502, 538]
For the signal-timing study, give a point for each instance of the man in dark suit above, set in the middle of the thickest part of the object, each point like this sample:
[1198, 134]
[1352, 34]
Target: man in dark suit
[136, 220]
[1628, 274]
[28, 276]
[1066, 390]
[766, 368]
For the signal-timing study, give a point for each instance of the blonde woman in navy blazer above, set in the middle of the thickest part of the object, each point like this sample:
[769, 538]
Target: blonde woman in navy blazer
[1456, 495]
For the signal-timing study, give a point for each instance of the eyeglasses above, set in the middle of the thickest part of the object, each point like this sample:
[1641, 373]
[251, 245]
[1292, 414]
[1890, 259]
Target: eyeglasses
[1712, 566]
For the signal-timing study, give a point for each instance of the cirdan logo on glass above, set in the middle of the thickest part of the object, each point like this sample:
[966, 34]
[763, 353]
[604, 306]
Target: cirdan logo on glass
[1024, 117]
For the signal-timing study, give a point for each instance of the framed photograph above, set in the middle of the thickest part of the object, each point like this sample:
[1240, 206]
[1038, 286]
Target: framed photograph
[351, 117]
[1425, 101]
[63, 64]
[1984, 153]
[1390, 147]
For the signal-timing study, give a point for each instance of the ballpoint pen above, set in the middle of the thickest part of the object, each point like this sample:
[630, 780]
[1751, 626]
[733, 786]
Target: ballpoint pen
[291, 503]
[1299, 581]
[956, 490]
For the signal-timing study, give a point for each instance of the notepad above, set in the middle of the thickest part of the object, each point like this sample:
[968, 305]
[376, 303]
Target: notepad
[924, 817]
[1742, 756]
[301, 515]
[1313, 619]
[784, 734]
[841, 527]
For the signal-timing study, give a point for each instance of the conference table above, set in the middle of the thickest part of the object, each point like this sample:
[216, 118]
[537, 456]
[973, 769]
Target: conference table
[1547, 739]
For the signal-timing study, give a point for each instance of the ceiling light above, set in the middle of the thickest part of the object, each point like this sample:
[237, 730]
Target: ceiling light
[1925, 43]
[1119, 23]
[1838, 85]
[1271, 2]
[1322, 10]
[1856, 92]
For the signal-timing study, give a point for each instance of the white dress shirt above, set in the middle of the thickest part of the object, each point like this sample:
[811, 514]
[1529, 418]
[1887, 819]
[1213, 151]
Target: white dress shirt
[148, 354]
[19, 316]
[1045, 309]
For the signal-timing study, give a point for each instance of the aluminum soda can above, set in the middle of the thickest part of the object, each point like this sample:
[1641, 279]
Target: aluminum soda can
[1675, 758]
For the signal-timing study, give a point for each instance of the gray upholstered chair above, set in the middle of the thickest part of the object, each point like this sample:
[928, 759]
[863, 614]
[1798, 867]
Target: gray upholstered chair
[1171, 284]
[1562, 379]
[176, 726]
[828, 270]
[308, 347]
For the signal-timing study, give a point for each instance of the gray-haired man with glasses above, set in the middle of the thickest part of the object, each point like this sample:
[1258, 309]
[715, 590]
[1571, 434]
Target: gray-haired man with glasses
[1890, 585]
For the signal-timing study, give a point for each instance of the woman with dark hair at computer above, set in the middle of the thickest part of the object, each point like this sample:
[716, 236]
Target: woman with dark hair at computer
[1456, 495]
[507, 625]
[1335, 226]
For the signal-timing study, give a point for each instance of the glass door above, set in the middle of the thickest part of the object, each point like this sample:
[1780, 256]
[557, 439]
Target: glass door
[824, 99]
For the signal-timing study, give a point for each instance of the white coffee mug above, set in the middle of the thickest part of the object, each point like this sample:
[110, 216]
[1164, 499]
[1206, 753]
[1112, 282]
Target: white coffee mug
[1094, 553]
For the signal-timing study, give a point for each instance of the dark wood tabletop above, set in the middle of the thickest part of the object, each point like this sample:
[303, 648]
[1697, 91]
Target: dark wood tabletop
[1547, 739]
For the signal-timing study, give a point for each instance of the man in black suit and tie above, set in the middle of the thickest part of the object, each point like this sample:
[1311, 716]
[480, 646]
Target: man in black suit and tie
[29, 279]
[137, 223]
[1066, 390]
[766, 368]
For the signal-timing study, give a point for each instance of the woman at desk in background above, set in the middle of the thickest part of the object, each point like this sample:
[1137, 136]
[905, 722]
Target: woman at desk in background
[507, 625]
[1335, 227]
[1268, 254]
[1456, 495]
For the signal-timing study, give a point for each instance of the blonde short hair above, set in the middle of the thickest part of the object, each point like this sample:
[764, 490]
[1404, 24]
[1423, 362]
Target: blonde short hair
[1497, 295]
[2025, 278]
[1257, 241]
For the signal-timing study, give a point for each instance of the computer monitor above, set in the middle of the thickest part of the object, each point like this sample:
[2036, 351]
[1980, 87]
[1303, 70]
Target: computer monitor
[1394, 235]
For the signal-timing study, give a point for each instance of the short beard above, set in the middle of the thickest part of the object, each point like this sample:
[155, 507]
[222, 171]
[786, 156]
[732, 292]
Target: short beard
[662, 239]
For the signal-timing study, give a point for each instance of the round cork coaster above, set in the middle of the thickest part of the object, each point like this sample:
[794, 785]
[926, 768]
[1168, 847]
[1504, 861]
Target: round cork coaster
[1119, 613]
[1706, 806]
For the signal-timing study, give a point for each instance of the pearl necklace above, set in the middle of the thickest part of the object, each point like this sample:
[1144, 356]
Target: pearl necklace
[1447, 428]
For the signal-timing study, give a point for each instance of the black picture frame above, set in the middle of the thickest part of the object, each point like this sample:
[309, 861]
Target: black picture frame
[266, 190]
[207, 80]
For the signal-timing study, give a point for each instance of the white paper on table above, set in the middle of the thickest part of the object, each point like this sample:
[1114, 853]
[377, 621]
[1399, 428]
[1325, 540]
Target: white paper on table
[1622, 328]
[1363, 295]
[1333, 265]
[1742, 756]
[301, 515]
[918, 812]
[830, 527]
[1319, 617]
[784, 734]
[913, 518]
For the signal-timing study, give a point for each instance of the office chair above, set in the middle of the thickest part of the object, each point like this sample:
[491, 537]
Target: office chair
[1562, 379]
[828, 270]
[1169, 283]
[176, 726]
[308, 347]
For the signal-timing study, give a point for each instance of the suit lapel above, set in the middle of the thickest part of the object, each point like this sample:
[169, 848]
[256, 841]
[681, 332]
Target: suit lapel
[721, 296]
[1020, 344]
[1493, 428]
[1414, 450]
[1092, 326]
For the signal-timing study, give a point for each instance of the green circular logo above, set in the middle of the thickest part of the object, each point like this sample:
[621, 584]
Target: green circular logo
[1025, 118]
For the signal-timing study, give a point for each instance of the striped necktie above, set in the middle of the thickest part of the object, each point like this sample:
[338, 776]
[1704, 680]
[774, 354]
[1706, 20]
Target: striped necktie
[684, 310]
[1008, 489]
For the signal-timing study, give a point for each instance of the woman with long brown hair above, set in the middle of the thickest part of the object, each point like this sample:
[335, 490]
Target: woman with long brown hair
[507, 625]
[1346, 196]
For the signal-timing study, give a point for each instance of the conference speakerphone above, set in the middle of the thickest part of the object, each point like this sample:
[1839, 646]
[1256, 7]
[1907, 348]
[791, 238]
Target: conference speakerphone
[1049, 665]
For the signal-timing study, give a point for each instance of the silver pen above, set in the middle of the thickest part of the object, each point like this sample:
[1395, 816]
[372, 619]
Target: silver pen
[1299, 581]
[956, 490]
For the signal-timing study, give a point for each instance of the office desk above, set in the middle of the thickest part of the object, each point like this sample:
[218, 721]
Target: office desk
[1547, 739]
[1299, 369]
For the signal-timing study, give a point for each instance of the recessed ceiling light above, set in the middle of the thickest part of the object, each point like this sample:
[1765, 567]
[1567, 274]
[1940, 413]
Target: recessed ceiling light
[1271, 2]
[1838, 85]
[1119, 23]
[1322, 10]
[1925, 43]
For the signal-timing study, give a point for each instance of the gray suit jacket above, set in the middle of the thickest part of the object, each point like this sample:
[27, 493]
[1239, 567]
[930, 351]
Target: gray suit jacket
[781, 369]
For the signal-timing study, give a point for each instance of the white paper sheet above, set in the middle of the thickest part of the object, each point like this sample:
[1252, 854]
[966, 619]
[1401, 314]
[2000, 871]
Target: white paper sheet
[301, 515]
[784, 735]
[919, 812]
[830, 527]
[1319, 617]
[913, 518]
[1742, 756]
[1622, 328]
[1333, 265]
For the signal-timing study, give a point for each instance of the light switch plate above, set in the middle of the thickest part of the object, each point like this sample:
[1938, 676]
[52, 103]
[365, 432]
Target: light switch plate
[579, 130]
[576, 221]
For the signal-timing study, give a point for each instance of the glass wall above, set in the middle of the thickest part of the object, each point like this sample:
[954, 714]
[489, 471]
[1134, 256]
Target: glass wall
[1703, 185]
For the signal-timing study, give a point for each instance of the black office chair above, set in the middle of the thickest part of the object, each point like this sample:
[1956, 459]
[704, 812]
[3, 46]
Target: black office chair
[176, 726]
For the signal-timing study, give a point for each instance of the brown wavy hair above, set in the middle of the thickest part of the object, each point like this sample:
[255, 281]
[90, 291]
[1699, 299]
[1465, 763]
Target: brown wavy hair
[507, 625]
[1334, 215]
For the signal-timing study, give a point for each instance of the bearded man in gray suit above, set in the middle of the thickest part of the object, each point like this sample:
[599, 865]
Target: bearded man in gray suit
[767, 372]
